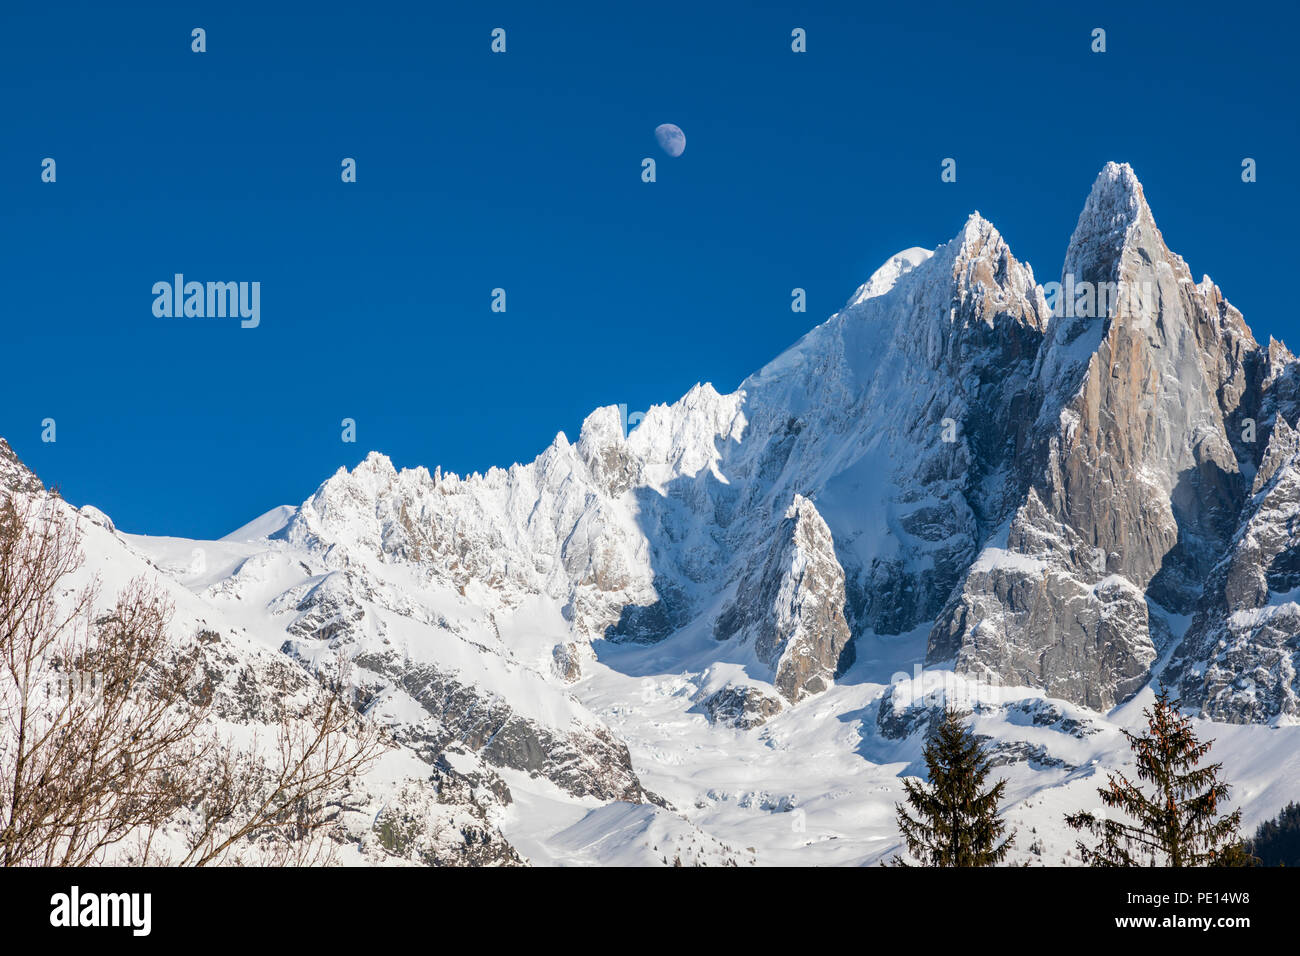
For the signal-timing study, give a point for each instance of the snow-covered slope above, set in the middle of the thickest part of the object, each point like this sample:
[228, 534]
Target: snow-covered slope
[450, 810]
[720, 638]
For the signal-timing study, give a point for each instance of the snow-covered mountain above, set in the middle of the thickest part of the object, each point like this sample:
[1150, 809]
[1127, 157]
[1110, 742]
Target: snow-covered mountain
[719, 638]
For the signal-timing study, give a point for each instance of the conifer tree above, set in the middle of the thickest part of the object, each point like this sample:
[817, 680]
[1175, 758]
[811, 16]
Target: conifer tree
[956, 821]
[1178, 823]
[1277, 841]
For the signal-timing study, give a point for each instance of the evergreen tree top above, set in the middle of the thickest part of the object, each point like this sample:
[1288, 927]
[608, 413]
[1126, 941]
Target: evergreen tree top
[956, 820]
[1176, 820]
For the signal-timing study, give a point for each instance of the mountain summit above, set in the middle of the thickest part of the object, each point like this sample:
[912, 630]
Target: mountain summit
[1041, 487]
[1135, 482]
[1057, 492]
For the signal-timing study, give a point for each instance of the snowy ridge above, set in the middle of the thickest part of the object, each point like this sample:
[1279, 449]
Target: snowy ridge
[728, 629]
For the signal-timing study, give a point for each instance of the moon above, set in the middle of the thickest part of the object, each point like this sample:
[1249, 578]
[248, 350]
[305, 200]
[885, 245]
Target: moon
[671, 138]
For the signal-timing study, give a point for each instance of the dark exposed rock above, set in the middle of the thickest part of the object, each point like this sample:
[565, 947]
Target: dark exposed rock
[1239, 659]
[898, 722]
[1044, 713]
[1007, 752]
[566, 662]
[741, 707]
[445, 822]
[1133, 478]
[791, 604]
[644, 624]
[14, 475]
[590, 761]
[329, 610]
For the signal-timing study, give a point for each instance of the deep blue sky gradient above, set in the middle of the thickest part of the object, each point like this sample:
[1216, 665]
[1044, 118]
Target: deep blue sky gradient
[523, 171]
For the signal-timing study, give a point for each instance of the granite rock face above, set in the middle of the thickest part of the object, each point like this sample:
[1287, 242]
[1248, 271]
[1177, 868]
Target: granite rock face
[1133, 476]
[791, 606]
[1240, 659]
[1027, 617]
[1034, 490]
[1041, 487]
[741, 707]
[971, 322]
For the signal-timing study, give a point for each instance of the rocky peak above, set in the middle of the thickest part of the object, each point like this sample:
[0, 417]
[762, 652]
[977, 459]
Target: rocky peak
[1279, 356]
[1154, 401]
[985, 270]
[1135, 480]
[603, 447]
[1113, 212]
[1283, 443]
[14, 475]
[1240, 658]
[791, 605]
[1113, 208]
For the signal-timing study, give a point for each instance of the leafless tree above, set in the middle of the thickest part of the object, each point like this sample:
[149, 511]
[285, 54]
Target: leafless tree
[107, 735]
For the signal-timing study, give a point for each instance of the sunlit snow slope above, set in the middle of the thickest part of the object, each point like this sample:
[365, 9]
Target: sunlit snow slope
[720, 638]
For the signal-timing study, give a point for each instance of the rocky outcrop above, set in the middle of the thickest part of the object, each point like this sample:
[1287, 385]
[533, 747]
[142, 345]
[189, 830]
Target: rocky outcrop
[1240, 659]
[14, 475]
[443, 821]
[342, 625]
[1025, 616]
[1134, 479]
[566, 662]
[904, 414]
[328, 610]
[1027, 484]
[791, 606]
[582, 759]
[742, 707]
[898, 718]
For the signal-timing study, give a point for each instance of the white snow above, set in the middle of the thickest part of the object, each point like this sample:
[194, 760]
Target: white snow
[263, 526]
[886, 277]
[485, 576]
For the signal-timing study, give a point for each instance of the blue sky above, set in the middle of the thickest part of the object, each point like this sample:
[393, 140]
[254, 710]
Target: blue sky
[522, 171]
